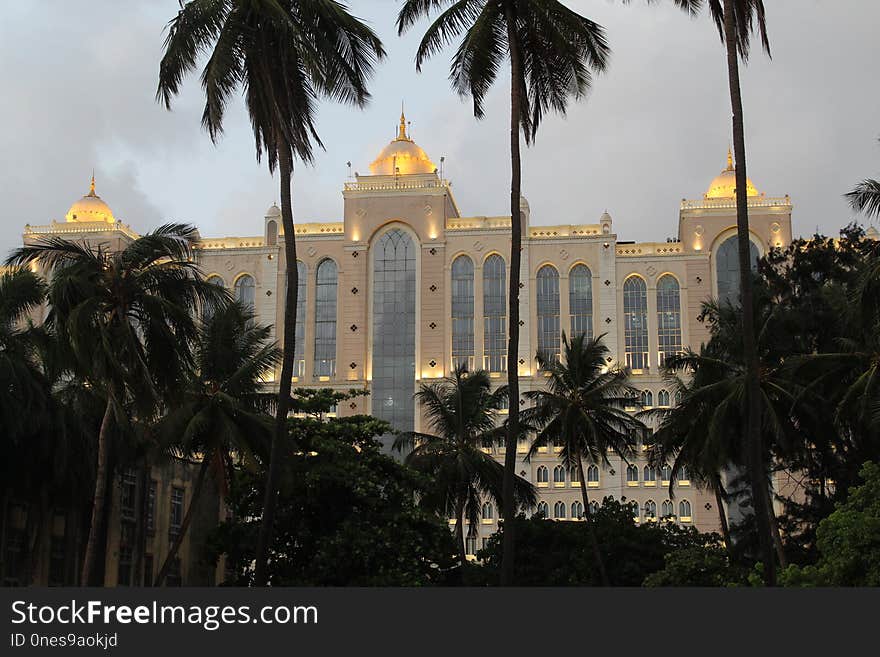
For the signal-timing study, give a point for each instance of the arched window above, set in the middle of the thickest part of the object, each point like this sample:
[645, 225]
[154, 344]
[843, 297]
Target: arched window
[488, 511]
[663, 398]
[580, 301]
[647, 398]
[559, 475]
[574, 476]
[463, 312]
[593, 476]
[325, 319]
[271, 232]
[542, 474]
[635, 509]
[495, 314]
[541, 511]
[594, 508]
[559, 511]
[668, 317]
[684, 511]
[665, 474]
[548, 313]
[683, 478]
[394, 330]
[649, 475]
[727, 269]
[632, 475]
[246, 292]
[577, 510]
[650, 510]
[299, 361]
[677, 397]
[667, 509]
[635, 316]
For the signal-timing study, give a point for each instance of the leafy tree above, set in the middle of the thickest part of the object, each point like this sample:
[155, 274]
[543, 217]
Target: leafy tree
[582, 410]
[559, 553]
[553, 53]
[865, 197]
[848, 540]
[699, 565]
[219, 419]
[347, 514]
[463, 411]
[125, 319]
[284, 55]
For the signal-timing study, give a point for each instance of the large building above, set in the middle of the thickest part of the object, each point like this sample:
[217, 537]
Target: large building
[405, 286]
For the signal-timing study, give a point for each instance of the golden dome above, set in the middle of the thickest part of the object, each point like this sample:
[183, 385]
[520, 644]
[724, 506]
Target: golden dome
[402, 156]
[724, 185]
[90, 208]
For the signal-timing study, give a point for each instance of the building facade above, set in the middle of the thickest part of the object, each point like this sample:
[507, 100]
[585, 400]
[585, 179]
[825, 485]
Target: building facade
[405, 286]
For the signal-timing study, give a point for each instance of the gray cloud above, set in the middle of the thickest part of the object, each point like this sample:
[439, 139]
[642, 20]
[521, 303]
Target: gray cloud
[79, 81]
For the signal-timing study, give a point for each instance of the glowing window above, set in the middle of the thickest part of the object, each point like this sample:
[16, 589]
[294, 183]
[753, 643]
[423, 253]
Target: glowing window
[463, 312]
[548, 313]
[635, 315]
[580, 301]
[668, 317]
[494, 314]
[325, 319]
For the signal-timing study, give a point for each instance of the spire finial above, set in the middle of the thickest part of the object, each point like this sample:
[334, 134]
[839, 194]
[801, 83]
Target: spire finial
[729, 159]
[92, 185]
[401, 131]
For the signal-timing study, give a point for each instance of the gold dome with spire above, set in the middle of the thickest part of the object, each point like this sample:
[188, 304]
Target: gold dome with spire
[90, 208]
[402, 156]
[724, 184]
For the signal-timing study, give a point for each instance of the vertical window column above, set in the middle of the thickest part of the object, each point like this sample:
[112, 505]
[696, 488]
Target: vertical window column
[495, 314]
[325, 319]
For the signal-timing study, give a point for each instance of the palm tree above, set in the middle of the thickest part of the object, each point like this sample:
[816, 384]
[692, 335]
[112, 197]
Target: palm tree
[126, 318]
[463, 411]
[582, 410]
[285, 55]
[219, 419]
[553, 54]
[866, 197]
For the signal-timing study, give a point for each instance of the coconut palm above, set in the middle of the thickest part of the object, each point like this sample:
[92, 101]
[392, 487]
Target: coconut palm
[464, 413]
[219, 419]
[284, 55]
[126, 318]
[553, 53]
[866, 197]
[737, 22]
[582, 410]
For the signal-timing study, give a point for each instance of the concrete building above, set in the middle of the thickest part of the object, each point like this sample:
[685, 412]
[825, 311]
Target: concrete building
[406, 285]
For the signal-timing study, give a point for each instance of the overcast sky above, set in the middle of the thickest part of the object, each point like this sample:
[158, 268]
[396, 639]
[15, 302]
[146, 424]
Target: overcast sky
[79, 80]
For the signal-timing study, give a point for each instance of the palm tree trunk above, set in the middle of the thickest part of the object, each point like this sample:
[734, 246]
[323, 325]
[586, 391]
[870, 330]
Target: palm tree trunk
[459, 535]
[140, 532]
[184, 525]
[591, 531]
[722, 514]
[774, 532]
[508, 488]
[99, 501]
[754, 447]
[285, 167]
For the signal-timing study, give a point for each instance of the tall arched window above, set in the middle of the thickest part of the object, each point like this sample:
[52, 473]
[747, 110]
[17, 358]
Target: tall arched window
[394, 329]
[559, 510]
[325, 319]
[577, 510]
[594, 507]
[650, 510]
[541, 475]
[246, 292]
[299, 361]
[593, 476]
[548, 312]
[647, 398]
[668, 317]
[207, 313]
[727, 269]
[632, 475]
[574, 476]
[463, 312]
[580, 301]
[663, 398]
[487, 511]
[559, 476]
[635, 315]
[667, 509]
[684, 511]
[495, 314]
[541, 511]
[665, 474]
[635, 509]
[649, 475]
